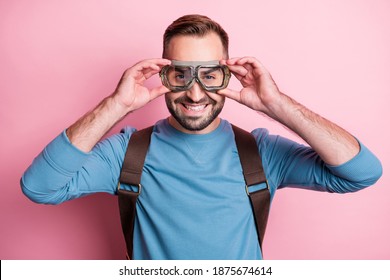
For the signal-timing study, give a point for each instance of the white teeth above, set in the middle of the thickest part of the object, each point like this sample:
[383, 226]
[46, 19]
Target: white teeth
[195, 108]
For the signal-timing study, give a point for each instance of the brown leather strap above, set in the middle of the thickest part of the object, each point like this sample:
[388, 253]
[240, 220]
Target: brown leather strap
[252, 167]
[127, 203]
[132, 170]
[249, 157]
[261, 202]
[131, 175]
[135, 157]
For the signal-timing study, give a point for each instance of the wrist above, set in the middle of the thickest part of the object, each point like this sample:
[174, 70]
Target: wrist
[117, 106]
[275, 106]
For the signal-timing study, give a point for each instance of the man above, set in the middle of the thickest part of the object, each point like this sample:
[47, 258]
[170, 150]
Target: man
[193, 203]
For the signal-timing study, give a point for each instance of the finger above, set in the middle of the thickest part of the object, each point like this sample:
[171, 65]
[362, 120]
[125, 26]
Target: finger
[143, 65]
[238, 76]
[248, 67]
[238, 69]
[147, 68]
[158, 91]
[232, 94]
[151, 72]
[246, 59]
[241, 67]
[232, 61]
[253, 62]
[155, 61]
[223, 61]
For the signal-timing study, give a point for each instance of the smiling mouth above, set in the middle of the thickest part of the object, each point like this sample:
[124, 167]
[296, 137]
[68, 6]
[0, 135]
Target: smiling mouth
[194, 108]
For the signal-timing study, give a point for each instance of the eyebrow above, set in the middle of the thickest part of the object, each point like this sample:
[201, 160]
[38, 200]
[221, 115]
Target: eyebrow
[177, 69]
[211, 70]
[183, 69]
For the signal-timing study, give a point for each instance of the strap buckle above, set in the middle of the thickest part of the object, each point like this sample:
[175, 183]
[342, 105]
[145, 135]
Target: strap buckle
[139, 188]
[247, 190]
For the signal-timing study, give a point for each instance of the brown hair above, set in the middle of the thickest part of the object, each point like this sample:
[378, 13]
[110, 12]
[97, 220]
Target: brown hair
[195, 25]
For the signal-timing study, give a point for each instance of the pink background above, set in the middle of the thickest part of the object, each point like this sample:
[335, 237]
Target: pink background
[58, 59]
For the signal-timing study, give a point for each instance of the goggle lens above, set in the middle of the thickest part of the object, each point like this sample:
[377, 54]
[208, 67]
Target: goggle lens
[178, 76]
[211, 76]
[182, 77]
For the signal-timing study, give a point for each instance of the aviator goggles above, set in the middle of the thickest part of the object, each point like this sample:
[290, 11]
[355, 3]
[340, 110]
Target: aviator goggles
[181, 75]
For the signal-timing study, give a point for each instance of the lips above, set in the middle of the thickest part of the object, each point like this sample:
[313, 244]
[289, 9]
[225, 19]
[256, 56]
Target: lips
[194, 108]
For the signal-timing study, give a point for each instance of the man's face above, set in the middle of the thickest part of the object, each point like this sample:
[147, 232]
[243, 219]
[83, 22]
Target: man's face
[195, 110]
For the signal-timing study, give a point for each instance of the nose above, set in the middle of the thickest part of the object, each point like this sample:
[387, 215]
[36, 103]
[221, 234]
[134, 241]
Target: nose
[195, 93]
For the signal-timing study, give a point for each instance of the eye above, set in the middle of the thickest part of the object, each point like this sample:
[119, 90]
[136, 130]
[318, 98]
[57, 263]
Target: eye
[179, 76]
[208, 77]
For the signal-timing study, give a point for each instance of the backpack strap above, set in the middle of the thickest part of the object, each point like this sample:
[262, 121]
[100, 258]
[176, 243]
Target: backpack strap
[131, 175]
[252, 167]
[132, 171]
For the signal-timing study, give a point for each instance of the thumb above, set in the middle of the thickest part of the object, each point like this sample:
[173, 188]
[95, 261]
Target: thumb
[230, 93]
[156, 92]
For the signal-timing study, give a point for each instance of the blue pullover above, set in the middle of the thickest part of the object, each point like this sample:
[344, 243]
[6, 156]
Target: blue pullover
[193, 204]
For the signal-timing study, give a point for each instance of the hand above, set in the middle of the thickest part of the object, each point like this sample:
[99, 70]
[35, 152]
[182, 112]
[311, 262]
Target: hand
[260, 93]
[259, 90]
[131, 92]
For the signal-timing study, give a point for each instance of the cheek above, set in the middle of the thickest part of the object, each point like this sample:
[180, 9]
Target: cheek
[169, 97]
[174, 96]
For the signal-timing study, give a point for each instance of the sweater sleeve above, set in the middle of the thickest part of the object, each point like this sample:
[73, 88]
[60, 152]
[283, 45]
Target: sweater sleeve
[62, 172]
[288, 163]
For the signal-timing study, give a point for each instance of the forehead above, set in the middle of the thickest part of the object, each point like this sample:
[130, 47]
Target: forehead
[195, 48]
